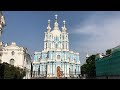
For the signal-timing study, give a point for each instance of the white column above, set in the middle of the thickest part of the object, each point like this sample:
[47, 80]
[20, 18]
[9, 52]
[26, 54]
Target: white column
[68, 45]
[53, 69]
[51, 45]
[68, 66]
[60, 45]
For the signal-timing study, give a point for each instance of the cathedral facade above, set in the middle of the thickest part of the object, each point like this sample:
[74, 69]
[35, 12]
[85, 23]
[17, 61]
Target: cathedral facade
[56, 60]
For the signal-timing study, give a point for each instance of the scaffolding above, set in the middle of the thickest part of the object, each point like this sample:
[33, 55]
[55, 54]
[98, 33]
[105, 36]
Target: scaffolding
[109, 65]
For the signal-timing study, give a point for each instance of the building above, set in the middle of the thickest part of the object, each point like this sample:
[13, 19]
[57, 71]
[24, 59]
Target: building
[108, 66]
[17, 56]
[13, 54]
[2, 22]
[56, 60]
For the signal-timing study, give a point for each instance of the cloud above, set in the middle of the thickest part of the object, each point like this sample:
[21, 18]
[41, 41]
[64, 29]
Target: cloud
[102, 30]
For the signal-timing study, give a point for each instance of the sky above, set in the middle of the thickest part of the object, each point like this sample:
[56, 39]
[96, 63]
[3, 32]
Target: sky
[89, 31]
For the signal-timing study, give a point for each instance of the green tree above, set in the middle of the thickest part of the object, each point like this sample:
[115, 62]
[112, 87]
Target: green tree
[89, 67]
[108, 51]
[8, 71]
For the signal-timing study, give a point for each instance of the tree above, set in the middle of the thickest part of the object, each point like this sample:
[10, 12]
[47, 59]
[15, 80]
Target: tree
[89, 67]
[84, 69]
[8, 71]
[108, 52]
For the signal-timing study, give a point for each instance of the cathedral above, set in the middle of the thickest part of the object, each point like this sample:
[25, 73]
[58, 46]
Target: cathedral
[56, 60]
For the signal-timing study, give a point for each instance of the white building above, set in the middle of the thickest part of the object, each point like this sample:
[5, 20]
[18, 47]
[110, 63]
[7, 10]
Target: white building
[2, 22]
[17, 56]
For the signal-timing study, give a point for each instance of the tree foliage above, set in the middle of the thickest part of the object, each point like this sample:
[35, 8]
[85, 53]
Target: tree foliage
[89, 67]
[108, 52]
[8, 71]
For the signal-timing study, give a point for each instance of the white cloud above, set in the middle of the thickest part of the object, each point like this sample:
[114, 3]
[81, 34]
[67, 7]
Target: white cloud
[102, 30]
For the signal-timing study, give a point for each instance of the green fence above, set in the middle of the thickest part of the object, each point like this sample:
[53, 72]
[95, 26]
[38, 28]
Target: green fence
[109, 65]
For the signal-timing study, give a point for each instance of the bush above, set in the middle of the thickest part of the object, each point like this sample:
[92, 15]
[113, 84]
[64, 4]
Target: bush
[8, 71]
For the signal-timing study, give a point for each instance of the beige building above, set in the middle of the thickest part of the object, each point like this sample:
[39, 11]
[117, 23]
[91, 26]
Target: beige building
[17, 56]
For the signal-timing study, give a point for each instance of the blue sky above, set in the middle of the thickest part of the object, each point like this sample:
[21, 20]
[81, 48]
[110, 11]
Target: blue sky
[89, 31]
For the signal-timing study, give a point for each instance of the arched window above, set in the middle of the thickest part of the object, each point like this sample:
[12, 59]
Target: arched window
[12, 61]
[58, 56]
[12, 52]
[63, 37]
[60, 37]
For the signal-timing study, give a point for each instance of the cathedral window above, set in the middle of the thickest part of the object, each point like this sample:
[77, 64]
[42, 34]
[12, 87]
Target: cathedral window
[58, 56]
[60, 37]
[63, 37]
[12, 61]
[50, 37]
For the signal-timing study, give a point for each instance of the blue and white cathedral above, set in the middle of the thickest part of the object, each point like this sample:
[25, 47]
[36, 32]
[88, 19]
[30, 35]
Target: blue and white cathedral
[56, 60]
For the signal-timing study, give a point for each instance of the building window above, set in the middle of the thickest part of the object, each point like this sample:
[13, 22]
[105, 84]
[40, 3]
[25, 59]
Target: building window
[63, 37]
[12, 61]
[58, 56]
[60, 37]
[12, 52]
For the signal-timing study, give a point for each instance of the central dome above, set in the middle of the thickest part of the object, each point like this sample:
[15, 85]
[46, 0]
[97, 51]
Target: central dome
[56, 32]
